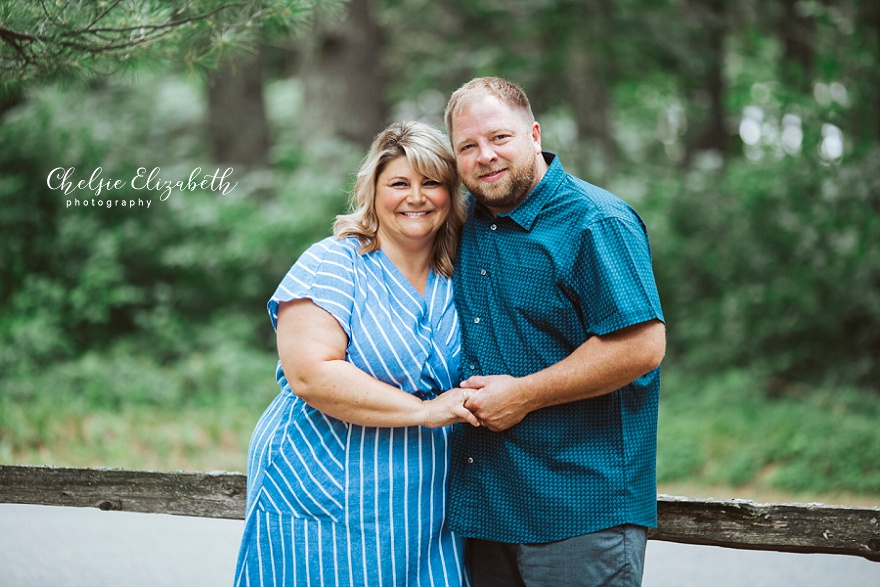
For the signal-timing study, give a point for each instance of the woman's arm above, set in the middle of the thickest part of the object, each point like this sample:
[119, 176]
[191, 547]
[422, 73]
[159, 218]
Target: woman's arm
[311, 345]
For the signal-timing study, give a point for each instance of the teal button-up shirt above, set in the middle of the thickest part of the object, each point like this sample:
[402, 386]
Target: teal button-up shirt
[570, 262]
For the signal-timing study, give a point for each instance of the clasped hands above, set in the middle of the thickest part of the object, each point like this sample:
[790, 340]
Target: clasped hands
[493, 401]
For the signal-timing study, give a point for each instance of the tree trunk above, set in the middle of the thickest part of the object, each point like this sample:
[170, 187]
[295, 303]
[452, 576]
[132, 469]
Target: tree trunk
[873, 14]
[237, 125]
[342, 78]
[588, 86]
[797, 32]
[711, 134]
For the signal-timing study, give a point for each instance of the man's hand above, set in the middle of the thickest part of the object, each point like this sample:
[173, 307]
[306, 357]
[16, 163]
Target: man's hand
[496, 400]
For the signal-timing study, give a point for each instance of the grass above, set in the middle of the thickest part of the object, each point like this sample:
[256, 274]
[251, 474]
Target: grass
[123, 410]
[134, 437]
[730, 432]
[724, 437]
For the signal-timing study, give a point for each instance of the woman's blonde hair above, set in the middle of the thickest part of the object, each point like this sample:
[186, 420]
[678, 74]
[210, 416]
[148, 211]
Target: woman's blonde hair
[428, 152]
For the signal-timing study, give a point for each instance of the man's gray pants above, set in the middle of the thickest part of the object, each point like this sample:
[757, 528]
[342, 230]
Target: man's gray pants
[614, 557]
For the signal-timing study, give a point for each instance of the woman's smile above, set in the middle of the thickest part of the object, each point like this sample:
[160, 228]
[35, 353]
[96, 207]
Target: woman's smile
[410, 207]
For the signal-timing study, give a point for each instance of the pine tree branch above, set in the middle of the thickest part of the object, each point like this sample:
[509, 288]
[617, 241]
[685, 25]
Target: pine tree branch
[168, 24]
[9, 35]
[49, 38]
[103, 14]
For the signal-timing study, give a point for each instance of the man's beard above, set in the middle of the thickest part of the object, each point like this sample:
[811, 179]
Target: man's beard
[506, 193]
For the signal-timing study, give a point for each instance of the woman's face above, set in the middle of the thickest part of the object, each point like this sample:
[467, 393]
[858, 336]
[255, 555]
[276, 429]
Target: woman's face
[410, 207]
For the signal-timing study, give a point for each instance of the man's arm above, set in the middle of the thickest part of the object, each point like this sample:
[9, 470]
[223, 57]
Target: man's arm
[600, 365]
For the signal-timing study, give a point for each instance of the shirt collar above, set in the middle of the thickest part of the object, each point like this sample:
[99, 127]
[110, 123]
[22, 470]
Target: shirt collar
[527, 210]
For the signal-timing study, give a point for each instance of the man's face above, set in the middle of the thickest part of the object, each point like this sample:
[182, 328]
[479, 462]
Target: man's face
[496, 151]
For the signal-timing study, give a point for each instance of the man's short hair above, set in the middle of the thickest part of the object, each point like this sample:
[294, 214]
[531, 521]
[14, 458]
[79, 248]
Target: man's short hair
[506, 91]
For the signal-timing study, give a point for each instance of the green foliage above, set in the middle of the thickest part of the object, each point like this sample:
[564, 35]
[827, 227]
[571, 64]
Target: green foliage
[87, 39]
[775, 266]
[124, 408]
[77, 278]
[726, 430]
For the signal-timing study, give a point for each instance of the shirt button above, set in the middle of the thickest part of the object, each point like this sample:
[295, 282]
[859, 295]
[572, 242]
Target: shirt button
[470, 460]
[493, 227]
[477, 320]
[472, 366]
[482, 272]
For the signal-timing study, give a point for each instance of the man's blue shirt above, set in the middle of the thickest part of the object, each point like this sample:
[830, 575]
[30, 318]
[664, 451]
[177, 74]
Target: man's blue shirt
[570, 262]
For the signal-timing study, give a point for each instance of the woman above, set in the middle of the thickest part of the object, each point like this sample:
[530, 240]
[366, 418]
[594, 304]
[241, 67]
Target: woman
[347, 468]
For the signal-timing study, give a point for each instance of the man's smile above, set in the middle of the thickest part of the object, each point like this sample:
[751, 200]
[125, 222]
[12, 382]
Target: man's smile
[492, 175]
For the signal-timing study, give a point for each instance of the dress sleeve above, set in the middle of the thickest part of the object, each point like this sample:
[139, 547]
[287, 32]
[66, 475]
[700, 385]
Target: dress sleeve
[614, 276]
[324, 274]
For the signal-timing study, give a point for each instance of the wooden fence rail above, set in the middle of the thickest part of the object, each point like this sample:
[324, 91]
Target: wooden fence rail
[791, 527]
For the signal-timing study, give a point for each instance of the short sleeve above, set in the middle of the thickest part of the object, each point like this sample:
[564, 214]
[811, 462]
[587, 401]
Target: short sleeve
[614, 276]
[324, 274]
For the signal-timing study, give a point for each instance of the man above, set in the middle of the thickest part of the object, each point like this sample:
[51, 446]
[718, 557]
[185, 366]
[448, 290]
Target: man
[563, 335]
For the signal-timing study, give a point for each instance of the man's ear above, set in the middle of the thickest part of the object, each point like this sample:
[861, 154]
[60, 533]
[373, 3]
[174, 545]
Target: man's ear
[536, 136]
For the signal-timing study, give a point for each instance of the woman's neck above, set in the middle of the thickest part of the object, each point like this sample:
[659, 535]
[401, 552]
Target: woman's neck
[413, 262]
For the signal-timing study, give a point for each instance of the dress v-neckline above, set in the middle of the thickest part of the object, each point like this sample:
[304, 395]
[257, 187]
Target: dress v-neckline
[411, 289]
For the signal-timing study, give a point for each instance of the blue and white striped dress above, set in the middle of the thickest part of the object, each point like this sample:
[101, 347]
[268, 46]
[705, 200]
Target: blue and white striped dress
[332, 503]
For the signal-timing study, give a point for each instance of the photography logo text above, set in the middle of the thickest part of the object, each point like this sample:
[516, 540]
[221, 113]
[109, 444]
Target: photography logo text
[149, 182]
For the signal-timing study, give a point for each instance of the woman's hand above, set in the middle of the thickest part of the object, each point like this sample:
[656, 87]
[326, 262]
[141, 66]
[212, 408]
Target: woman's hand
[448, 408]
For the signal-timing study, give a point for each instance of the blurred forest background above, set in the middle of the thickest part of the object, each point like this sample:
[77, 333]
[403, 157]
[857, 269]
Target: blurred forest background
[746, 134]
